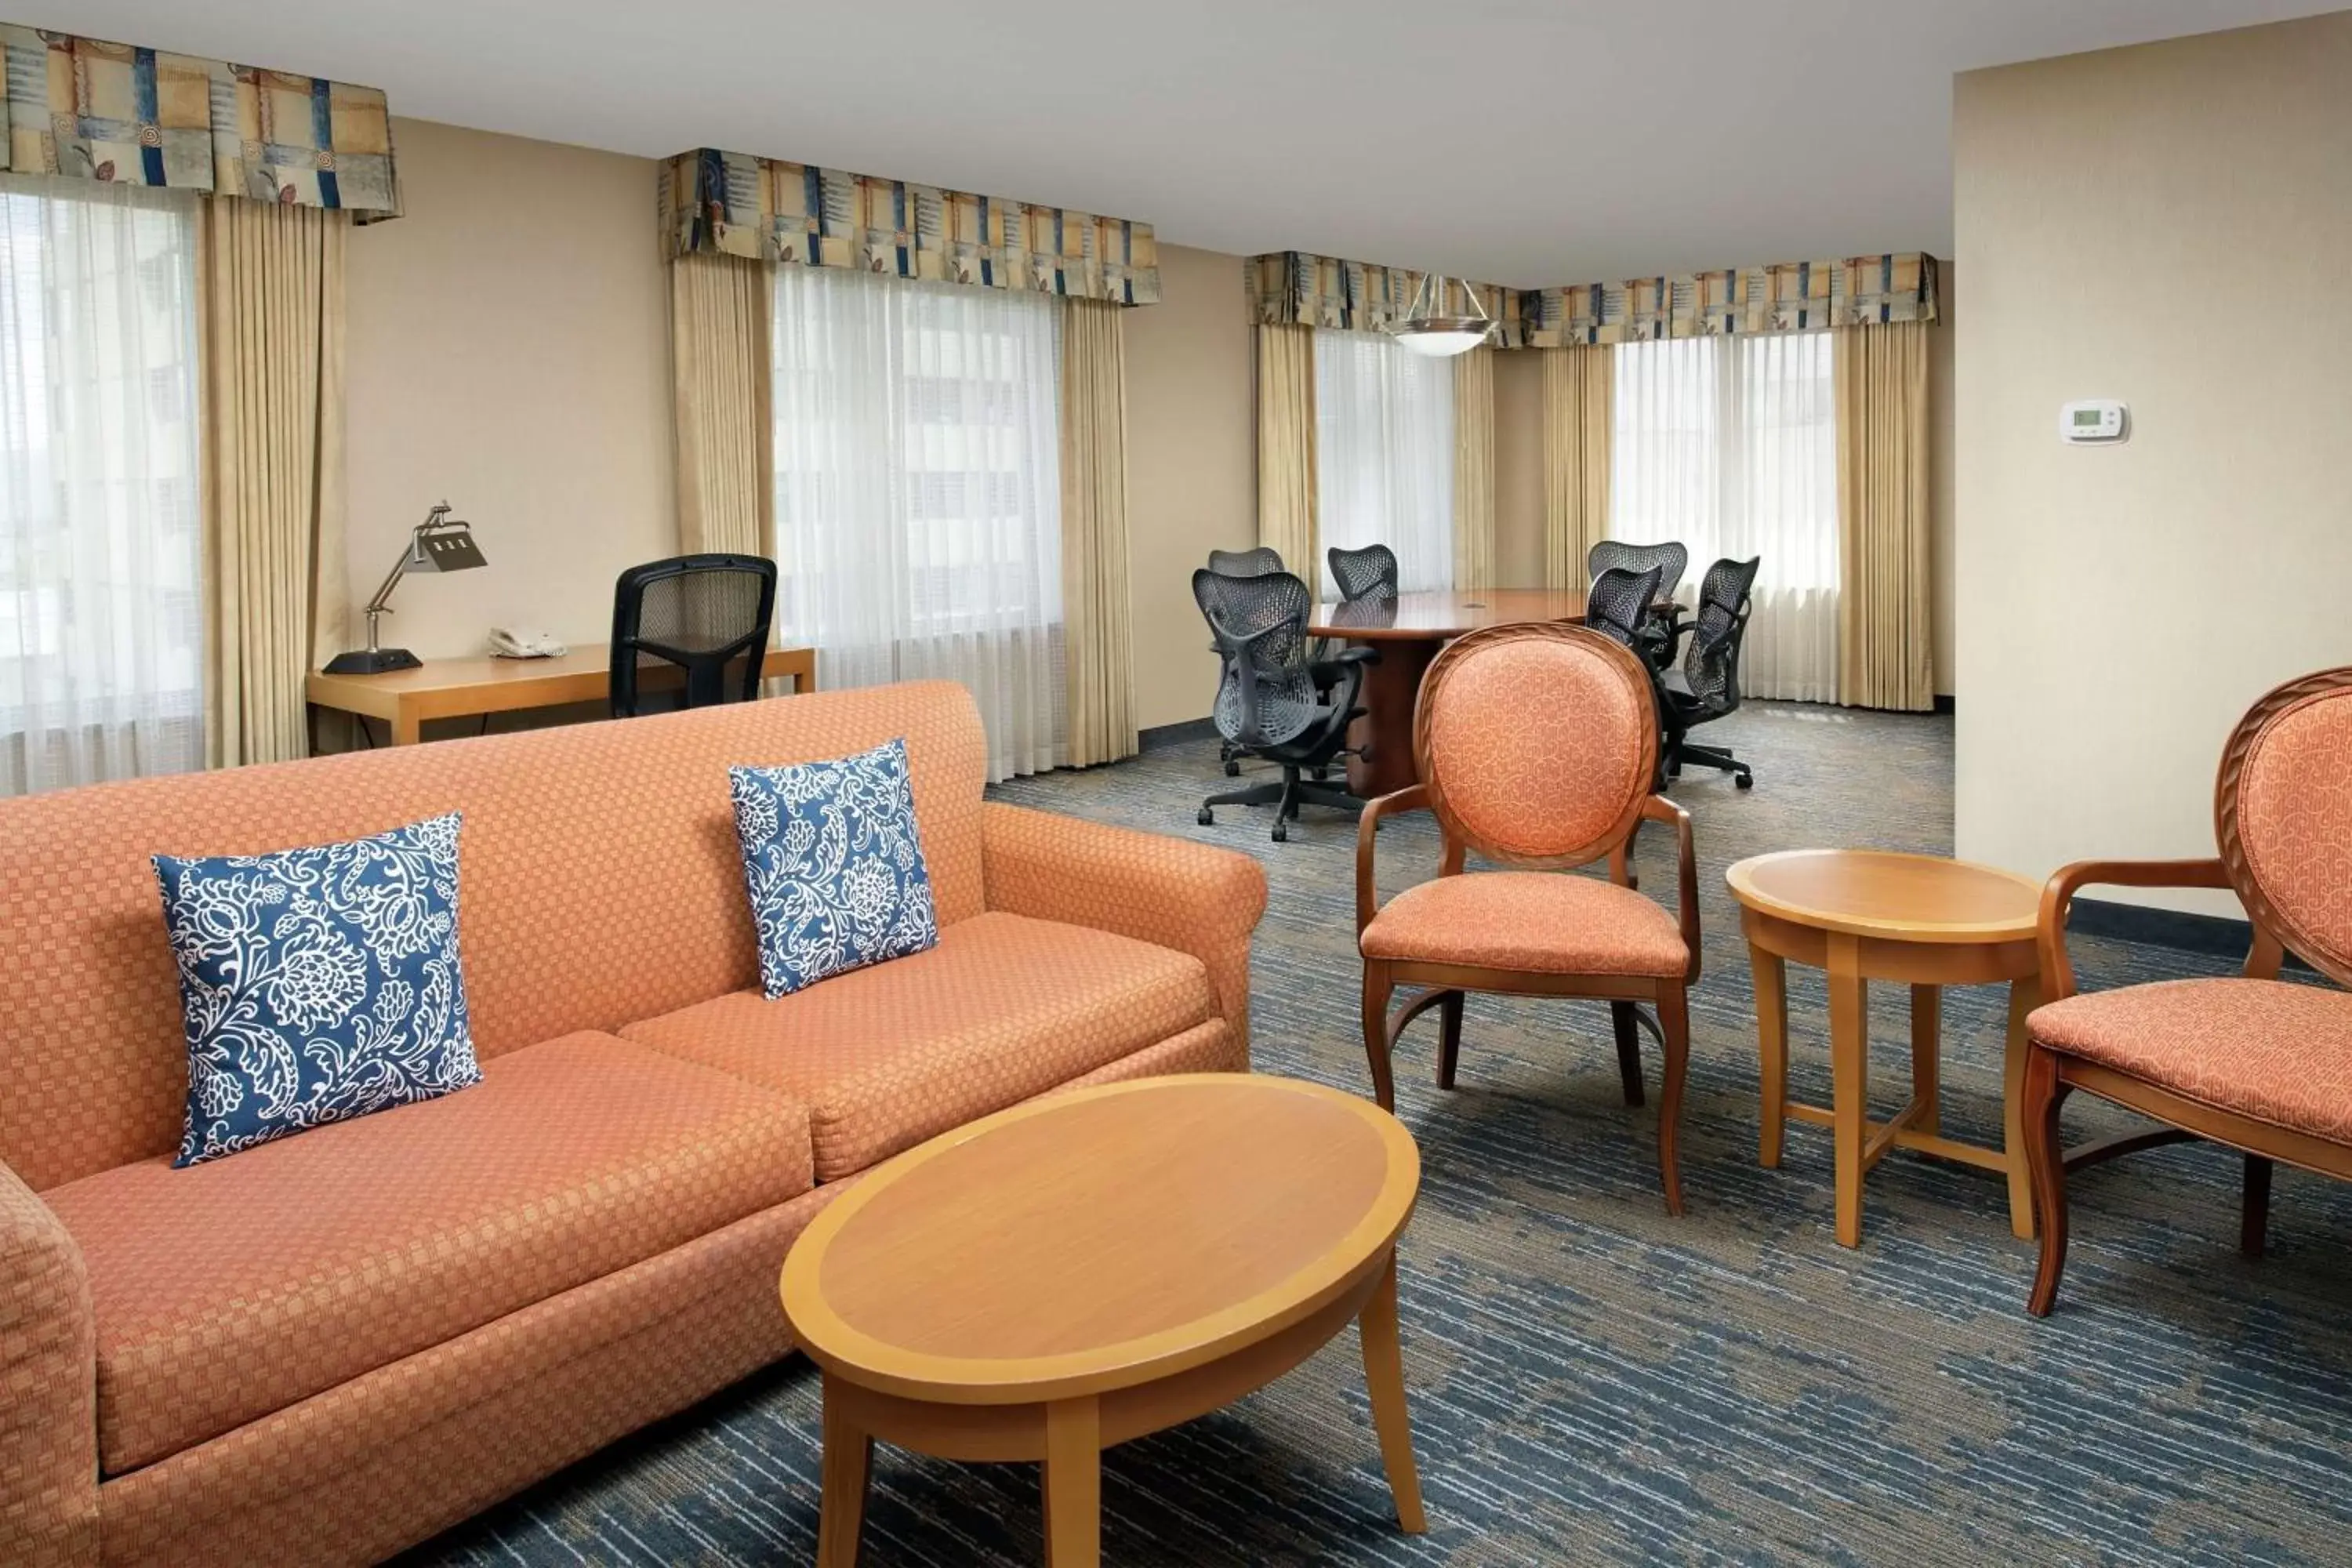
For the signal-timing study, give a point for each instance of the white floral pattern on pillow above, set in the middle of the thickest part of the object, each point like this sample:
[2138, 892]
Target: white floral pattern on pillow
[833, 865]
[317, 985]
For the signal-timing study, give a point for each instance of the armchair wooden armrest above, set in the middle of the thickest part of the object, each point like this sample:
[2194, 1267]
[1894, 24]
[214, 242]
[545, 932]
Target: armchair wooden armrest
[1658, 808]
[2058, 897]
[1414, 797]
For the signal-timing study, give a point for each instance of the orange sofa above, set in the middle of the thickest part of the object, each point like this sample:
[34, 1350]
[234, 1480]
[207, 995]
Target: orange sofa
[332, 1346]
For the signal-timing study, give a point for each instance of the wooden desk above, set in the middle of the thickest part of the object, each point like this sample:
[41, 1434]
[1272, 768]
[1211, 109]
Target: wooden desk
[1408, 631]
[462, 688]
[1875, 914]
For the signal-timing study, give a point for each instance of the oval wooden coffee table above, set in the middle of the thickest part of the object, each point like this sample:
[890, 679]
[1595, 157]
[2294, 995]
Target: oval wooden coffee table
[1081, 1270]
[1875, 914]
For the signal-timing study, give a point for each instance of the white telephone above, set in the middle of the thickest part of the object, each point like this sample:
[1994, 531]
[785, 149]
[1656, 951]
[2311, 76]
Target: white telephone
[511, 642]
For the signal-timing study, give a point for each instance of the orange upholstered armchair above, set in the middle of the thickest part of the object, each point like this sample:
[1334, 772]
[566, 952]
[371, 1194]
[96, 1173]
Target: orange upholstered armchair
[2254, 1062]
[1537, 746]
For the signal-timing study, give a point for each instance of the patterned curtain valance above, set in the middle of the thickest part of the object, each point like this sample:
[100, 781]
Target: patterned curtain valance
[82, 108]
[1791, 297]
[1291, 287]
[763, 209]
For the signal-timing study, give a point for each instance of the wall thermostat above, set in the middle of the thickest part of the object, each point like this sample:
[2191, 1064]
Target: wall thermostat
[2091, 421]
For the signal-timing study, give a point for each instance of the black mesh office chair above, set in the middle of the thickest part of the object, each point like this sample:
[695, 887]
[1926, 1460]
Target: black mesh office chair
[698, 613]
[1617, 606]
[1708, 685]
[1255, 563]
[1272, 699]
[1366, 573]
[1662, 626]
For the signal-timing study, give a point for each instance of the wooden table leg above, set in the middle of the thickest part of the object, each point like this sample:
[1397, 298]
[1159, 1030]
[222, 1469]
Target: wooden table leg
[1391, 687]
[848, 1457]
[1849, 1077]
[2024, 996]
[1384, 1379]
[1771, 976]
[1926, 1047]
[406, 729]
[1073, 1484]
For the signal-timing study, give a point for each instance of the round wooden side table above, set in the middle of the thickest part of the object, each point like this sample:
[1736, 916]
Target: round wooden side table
[1872, 914]
[1084, 1269]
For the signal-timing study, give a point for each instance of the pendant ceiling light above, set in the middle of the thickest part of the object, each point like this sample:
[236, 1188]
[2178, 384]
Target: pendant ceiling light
[1428, 330]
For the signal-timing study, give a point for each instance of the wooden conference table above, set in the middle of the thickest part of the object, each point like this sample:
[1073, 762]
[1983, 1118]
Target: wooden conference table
[1408, 631]
[466, 688]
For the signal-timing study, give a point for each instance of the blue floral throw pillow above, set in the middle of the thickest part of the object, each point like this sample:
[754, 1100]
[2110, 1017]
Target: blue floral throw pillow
[833, 865]
[317, 985]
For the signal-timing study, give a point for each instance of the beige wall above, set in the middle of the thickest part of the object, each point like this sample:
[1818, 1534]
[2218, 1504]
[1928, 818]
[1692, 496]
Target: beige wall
[1192, 469]
[2163, 225]
[510, 352]
[1519, 470]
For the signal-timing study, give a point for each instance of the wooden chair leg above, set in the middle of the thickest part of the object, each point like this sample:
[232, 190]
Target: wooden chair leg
[1629, 1050]
[2045, 1162]
[2255, 1219]
[1377, 989]
[1449, 1037]
[1673, 1023]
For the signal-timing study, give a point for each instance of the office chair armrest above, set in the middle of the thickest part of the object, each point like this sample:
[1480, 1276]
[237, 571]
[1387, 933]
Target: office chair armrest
[1414, 797]
[49, 1366]
[2058, 897]
[1658, 808]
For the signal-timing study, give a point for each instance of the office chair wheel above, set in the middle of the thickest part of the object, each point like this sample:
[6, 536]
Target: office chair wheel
[1207, 818]
[1744, 780]
[1281, 831]
[1233, 768]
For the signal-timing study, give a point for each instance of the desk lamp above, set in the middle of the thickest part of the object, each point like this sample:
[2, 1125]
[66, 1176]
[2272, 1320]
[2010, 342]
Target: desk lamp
[439, 543]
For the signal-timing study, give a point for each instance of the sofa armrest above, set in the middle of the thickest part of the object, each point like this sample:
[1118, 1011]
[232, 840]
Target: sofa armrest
[1194, 898]
[48, 1388]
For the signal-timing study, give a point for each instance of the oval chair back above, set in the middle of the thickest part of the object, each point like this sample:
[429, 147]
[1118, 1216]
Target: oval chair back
[2282, 815]
[1538, 742]
[1366, 573]
[1255, 563]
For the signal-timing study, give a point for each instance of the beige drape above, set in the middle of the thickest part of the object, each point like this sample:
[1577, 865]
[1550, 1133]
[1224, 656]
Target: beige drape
[1578, 387]
[1285, 448]
[271, 339]
[1474, 469]
[1098, 657]
[1886, 642]
[719, 356]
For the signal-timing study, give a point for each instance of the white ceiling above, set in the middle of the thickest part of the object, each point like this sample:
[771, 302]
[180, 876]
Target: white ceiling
[1511, 139]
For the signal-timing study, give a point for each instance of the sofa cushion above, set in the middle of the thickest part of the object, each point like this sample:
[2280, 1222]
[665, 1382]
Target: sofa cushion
[1002, 1009]
[318, 983]
[833, 865]
[2270, 1050]
[232, 1290]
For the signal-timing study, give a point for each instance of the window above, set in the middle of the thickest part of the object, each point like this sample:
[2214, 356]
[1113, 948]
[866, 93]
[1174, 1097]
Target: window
[101, 637]
[1384, 455]
[1729, 444]
[919, 494]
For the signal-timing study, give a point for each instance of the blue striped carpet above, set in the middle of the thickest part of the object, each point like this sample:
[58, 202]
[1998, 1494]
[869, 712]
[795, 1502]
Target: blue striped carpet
[1593, 1381]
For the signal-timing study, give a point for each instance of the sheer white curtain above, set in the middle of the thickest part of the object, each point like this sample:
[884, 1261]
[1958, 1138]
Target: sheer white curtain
[1384, 455]
[1729, 444]
[101, 632]
[918, 529]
